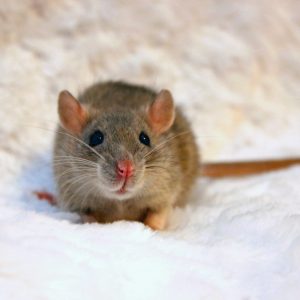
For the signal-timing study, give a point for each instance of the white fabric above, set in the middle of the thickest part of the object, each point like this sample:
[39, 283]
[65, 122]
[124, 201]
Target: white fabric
[234, 67]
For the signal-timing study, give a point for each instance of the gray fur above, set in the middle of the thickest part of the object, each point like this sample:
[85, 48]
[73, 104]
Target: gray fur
[163, 178]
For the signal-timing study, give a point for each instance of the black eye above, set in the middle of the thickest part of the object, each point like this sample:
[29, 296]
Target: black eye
[144, 139]
[96, 138]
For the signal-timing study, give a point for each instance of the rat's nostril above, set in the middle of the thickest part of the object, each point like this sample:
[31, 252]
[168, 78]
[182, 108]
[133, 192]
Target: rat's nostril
[125, 168]
[121, 170]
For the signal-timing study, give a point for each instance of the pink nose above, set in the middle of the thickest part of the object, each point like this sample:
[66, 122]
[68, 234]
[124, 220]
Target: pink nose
[125, 168]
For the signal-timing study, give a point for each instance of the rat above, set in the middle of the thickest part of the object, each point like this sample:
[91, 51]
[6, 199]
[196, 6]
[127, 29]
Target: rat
[123, 152]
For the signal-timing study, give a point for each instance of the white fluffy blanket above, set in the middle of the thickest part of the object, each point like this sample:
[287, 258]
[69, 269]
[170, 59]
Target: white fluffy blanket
[234, 67]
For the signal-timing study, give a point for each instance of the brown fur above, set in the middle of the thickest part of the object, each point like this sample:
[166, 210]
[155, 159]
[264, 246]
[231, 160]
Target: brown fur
[121, 111]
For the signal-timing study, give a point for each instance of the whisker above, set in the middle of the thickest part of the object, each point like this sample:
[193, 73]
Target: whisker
[75, 161]
[165, 142]
[94, 191]
[75, 166]
[71, 170]
[75, 138]
[77, 190]
[69, 196]
[72, 181]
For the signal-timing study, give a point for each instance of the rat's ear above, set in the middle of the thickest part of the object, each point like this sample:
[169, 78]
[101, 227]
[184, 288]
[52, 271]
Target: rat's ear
[72, 114]
[161, 113]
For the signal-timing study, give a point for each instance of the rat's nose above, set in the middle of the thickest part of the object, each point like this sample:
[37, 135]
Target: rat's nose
[125, 168]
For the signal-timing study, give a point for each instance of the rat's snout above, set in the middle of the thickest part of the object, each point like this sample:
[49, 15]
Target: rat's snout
[125, 168]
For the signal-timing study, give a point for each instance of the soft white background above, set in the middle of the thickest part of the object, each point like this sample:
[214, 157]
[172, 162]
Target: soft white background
[234, 67]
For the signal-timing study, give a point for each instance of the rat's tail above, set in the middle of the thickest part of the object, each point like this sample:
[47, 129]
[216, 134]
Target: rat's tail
[235, 169]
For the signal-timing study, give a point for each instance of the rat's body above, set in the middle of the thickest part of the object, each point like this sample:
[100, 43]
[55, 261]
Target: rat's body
[143, 159]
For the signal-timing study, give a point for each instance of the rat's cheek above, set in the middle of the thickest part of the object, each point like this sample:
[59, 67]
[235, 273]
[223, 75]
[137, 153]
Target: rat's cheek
[101, 171]
[140, 177]
[137, 175]
[105, 175]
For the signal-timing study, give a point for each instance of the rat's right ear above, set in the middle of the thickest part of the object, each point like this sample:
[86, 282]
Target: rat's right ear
[72, 114]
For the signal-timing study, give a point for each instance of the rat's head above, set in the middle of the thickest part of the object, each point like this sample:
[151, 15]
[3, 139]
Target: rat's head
[115, 148]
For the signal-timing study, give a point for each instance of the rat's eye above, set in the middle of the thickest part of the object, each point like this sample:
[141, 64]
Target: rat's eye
[96, 138]
[144, 139]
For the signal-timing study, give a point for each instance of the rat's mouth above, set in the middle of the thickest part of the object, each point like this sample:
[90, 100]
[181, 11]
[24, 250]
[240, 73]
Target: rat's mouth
[123, 189]
[127, 187]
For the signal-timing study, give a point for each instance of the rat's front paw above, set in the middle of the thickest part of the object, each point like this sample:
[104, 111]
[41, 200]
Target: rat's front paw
[157, 220]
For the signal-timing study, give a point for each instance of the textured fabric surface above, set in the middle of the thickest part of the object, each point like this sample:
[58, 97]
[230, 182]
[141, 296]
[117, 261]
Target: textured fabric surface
[234, 67]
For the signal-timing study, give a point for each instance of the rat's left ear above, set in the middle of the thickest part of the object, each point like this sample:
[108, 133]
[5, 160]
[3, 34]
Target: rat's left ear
[72, 114]
[161, 113]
